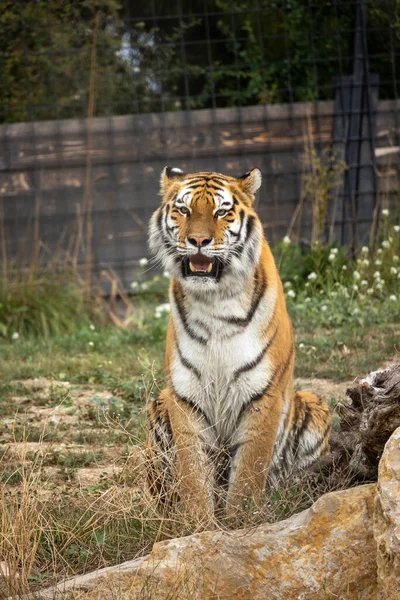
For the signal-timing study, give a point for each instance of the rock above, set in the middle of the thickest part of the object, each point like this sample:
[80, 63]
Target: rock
[325, 552]
[387, 520]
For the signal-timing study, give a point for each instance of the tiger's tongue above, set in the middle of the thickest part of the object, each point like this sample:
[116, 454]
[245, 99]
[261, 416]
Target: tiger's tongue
[199, 262]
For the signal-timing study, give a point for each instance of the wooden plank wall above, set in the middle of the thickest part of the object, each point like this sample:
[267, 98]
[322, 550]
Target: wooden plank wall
[49, 169]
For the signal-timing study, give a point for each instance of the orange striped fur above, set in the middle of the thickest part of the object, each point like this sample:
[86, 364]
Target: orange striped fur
[229, 418]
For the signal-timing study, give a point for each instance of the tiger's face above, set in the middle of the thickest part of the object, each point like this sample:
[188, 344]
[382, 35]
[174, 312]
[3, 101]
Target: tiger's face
[206, 231]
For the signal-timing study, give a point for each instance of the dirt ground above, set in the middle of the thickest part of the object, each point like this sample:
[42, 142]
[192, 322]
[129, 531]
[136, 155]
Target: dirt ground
[78, 436]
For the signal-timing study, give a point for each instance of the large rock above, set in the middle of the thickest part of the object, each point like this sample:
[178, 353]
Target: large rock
[387, 520]
[325, 552]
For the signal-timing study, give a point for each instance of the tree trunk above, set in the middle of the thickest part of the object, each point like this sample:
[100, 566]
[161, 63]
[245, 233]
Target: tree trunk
[366, 423]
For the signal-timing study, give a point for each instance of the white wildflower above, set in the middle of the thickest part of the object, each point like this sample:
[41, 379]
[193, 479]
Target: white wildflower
[365, 250]
[356, 275]
[332, 257]
[308, 299]
[376, 275]
[143, 262]
[287, 285]
[301, 346]
[312, 276]
[395, 258]
[355, 288]
[313, 348]
[286, 240]
[92, 327]
[334, 250]
[370, 291]
[386, 244]
[385, 212]
[344, 268]
[356, 311]
[291, 294]
[15, 335]
[162, 308]
[392, 297]
[91, 344]
[378, 263]
[134, 285]
[324, 307]
[379, 251]
[365, 262]
[145, 285]
[364, 282]
[393, 270]
[379, 285]
[396, 228]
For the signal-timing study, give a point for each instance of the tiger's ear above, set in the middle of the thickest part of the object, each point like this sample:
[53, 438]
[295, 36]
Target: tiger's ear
[168, 176]
[251, 182]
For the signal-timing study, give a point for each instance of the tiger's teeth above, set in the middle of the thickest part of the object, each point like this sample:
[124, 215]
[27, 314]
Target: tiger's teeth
[209, 268]
[191, 267]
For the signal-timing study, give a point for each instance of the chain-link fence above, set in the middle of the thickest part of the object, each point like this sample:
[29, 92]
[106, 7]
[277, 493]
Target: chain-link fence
[98, 95]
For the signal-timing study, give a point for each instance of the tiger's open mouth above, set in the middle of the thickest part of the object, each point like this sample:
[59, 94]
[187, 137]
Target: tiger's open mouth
[200, 265]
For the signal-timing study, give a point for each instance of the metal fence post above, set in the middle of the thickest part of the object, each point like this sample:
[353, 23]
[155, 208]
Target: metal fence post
[354, 124]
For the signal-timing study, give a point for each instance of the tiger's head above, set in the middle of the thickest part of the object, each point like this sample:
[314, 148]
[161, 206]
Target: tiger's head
[206, 231]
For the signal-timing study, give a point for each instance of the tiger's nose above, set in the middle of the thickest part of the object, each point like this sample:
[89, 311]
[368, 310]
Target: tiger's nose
[199, 242]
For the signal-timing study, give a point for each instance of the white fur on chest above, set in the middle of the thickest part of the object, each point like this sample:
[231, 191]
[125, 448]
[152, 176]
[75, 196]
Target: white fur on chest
[218, 382]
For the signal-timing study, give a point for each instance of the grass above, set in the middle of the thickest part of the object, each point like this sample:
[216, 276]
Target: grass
[72, 410]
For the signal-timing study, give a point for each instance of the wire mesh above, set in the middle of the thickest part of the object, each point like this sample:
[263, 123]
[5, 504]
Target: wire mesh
[97, 96]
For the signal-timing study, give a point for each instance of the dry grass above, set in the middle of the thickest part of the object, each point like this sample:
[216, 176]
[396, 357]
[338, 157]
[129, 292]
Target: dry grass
[64, 513]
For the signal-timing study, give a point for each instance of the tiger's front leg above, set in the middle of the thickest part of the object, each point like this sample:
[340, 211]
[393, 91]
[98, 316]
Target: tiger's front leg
[192, 469]
[252, 454]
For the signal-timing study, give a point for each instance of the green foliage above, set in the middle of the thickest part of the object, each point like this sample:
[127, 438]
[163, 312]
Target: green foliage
[266, 52]
[44, 302]
[329, 290]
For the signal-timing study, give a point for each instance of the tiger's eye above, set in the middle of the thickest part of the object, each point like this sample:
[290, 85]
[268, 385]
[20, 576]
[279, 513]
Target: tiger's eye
[221, 212]
[183, 210]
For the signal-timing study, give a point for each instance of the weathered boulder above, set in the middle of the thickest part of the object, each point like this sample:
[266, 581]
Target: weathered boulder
[387, 520]
[325, 552]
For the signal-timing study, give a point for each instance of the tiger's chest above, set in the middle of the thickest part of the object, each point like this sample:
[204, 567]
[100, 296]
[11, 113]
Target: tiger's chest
[219, 366]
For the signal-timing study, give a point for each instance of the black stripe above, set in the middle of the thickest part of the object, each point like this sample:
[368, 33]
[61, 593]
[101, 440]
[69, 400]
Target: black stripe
[186, 326]
[281, 369]
[257, 295]
[258, 395]
[193, 405]
[159, 218]
[188, 364]
[241, 217]
[250, 227]
[252, 364]
[320, 441]
[304, 424]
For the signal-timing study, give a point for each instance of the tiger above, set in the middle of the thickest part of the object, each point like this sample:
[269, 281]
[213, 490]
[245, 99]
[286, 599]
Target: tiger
[229, 353]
